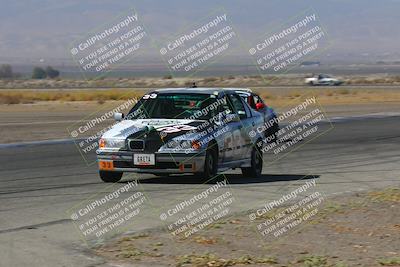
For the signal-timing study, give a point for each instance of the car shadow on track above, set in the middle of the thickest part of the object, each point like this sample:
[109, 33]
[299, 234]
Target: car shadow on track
[232, 179]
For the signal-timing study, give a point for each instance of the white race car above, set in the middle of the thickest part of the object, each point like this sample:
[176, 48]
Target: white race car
[323, 79]
[187, 130]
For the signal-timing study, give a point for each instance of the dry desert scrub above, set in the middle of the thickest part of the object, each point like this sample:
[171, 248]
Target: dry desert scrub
[325, 96]
[171, 81]
[273, 97]
[24, 96]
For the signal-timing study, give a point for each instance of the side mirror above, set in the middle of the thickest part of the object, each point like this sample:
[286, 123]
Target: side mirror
[260, 106]
[118, 116]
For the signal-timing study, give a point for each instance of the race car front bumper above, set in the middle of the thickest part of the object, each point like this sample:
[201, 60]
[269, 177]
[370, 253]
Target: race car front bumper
[122, 161]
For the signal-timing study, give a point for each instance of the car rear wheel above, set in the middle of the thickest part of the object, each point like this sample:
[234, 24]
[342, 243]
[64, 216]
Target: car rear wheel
[256, 165]
[210, 164]
[110, 177]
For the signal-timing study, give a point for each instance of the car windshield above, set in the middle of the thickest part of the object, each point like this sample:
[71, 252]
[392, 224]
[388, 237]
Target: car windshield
[173, 106]
[322, 76]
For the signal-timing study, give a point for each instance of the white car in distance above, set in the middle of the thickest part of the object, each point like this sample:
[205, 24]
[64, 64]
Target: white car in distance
[323, 79]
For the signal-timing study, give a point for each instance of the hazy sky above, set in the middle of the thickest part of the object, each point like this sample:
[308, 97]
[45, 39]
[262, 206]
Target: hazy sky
[32, 29]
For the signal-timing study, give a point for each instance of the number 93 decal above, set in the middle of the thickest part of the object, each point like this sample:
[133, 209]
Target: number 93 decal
[150, 96]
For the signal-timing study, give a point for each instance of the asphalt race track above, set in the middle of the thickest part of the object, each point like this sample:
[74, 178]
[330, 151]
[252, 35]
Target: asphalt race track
[39, 183]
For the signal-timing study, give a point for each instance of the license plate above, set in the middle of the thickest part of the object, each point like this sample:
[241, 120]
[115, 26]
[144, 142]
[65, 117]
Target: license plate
[143, 159]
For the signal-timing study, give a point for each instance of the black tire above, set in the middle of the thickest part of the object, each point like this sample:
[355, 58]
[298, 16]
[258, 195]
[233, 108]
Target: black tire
[256, 164]
[110, 177]
[210, 164]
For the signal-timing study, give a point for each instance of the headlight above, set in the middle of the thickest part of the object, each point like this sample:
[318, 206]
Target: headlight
[178, 144]
[111, 143]
[182, 144]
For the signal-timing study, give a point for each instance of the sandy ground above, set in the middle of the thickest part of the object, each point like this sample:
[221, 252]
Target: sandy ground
[353, 230]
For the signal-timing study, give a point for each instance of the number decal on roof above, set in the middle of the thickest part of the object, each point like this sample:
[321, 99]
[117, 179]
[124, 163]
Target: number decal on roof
[150, 96]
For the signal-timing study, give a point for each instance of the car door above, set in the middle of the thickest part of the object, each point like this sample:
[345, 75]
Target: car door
[231, 137]
[240, 134]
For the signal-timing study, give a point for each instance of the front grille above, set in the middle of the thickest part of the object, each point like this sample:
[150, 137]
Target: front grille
[136, 144]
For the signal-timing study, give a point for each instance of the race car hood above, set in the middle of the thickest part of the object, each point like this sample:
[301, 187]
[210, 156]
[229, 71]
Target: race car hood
[153, 132]
[127, 128]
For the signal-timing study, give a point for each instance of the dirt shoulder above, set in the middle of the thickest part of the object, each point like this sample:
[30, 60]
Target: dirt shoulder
[353, 230]
[281, 95]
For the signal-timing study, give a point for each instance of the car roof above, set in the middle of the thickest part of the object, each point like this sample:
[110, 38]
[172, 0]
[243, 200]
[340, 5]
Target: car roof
[201, 90]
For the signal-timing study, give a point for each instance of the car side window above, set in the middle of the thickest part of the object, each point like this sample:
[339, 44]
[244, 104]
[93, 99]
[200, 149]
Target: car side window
[226, 106]
[251, 101]
[238, 106]
[257, 99]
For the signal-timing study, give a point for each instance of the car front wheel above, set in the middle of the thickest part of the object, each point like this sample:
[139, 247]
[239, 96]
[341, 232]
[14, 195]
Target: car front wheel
[110, 177]
[210, 164]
